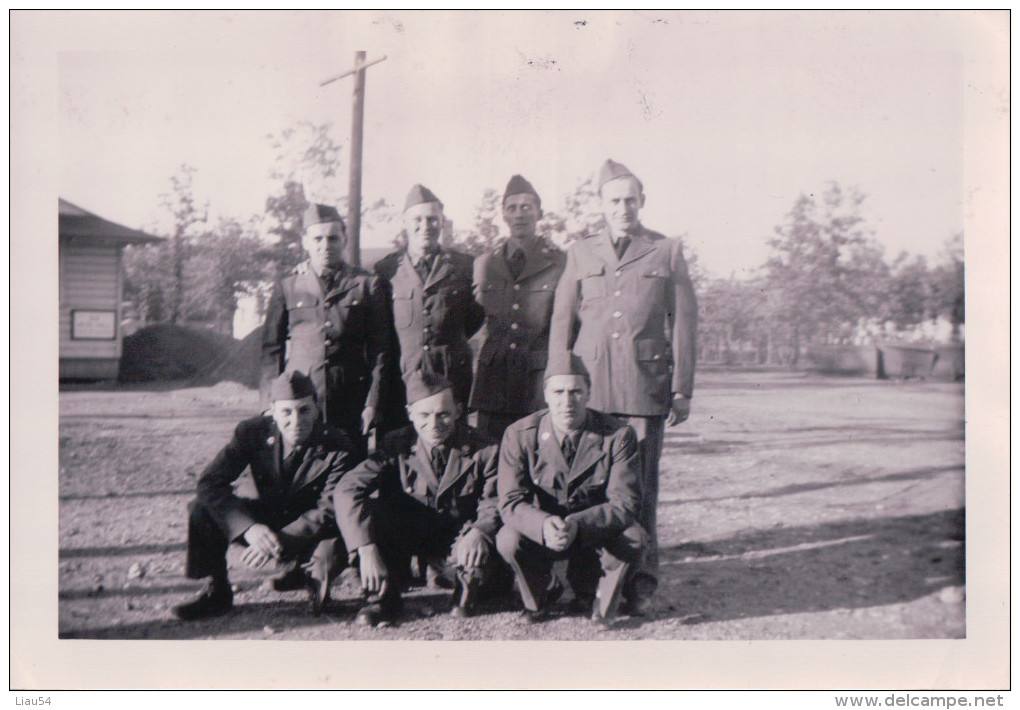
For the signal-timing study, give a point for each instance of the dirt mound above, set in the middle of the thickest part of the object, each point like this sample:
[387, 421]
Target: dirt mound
[169, 352]
[240, 364]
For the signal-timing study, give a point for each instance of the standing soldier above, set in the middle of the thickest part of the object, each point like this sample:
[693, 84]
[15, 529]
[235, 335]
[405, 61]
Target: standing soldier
[331, 320]
[433, 310]
[515, 284]
[626, 306]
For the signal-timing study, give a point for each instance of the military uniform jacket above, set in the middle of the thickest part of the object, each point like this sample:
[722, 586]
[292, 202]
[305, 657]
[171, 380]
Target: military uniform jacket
[258, 446]
[434, 318]
[600, 491]
[343, 339]
[402, 474]
[632, 321]
[511, 363]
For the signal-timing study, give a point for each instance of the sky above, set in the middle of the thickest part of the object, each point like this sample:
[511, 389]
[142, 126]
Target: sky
[726, 116]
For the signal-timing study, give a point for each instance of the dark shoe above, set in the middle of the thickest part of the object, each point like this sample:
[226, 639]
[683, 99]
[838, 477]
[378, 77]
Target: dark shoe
[379, 613]
[638, 606]
[538, 616]
[214, 600]
[290, 581]
[639, 596]
[318, 593]
[579, 605]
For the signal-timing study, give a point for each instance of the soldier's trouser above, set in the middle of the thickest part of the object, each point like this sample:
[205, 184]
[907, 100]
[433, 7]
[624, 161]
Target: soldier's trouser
[208, 543]
[493, 424]
[533, 563]
[650, 432]
[403, 533]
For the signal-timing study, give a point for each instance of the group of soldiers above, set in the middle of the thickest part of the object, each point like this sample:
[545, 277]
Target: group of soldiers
[587, 355]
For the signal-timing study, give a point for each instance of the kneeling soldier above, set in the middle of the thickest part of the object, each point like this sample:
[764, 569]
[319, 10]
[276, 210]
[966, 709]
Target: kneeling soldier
[568, 490]
[436, 483]
[295, 463]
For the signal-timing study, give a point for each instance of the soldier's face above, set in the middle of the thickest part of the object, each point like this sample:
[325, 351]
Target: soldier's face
[423, 224]
[521, 214]
[622, 201]
[295, 418]
[435, 417]
[324, 243]
[567, 397]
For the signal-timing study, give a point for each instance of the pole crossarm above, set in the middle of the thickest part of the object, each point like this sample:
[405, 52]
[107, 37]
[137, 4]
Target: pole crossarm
[355, 70]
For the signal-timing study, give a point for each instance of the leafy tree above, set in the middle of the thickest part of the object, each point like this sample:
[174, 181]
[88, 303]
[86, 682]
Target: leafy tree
[306, 169]
[485, 233]
[224, 263]
[825, 267]
[148, 271]
[154, 274]
[581, 215]
[908, 300]
[186, 213]
[948, 284]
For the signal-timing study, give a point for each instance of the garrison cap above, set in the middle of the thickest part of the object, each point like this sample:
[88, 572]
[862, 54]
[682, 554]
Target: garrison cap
[567, 363]
[519, 185]
[420, 194]
[291, 385]
[318, 214]
[611, 170]
[421, 385]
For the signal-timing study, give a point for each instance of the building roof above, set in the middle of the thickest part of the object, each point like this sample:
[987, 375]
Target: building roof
[82, 224]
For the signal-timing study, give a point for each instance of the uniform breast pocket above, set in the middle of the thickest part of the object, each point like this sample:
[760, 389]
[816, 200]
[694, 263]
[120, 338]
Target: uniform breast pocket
[302, 314]
[593, 286]
[493, 296]
[654, 283]
[403, 310]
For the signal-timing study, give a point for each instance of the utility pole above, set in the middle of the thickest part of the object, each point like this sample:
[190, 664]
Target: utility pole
[352, 253]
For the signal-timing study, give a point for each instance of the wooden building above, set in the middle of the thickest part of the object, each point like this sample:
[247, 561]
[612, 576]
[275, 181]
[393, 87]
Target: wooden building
[91, 285]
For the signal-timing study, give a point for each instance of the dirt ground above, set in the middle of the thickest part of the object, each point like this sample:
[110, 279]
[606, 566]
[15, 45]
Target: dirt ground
[791, 507]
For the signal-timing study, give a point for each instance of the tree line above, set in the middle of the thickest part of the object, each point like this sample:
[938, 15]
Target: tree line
[826, 279]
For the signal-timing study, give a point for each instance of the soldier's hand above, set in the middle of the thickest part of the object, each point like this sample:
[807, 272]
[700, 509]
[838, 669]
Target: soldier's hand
[471, 549]
[367, 417]
[372, 569]
[260, 538]
[679, 411]
[254, 558]
[570, 533]
[554, 533]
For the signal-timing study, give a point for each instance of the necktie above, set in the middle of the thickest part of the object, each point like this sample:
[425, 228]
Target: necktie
[439, 461]
[291, 464]
[328, 279]
[621, 246]
[515, 263]
[569, 449]
[424, 266]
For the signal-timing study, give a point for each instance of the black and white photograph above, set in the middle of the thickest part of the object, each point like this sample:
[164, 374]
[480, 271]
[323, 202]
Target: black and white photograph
[511, 326]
